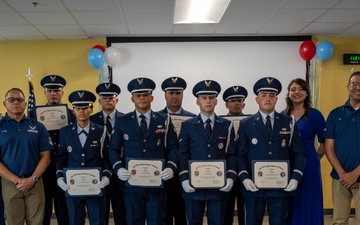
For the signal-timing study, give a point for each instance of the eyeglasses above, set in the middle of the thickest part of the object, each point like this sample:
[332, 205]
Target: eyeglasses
[12, 100]
[354, 84]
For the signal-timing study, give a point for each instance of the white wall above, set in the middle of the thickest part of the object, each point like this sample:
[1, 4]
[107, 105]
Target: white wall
[229, 63]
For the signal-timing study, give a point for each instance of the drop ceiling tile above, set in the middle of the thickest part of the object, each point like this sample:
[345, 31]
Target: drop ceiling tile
[105, 30]
[147, 5]
[282, 28]
[19, 31]
[99, 17]
[42, 6]
[297, 15]
[151, 29]
[239, 28]
[194, 28]
[325, 28]
[310, 4]
[256, 4]
[48, 18]
[355, 29]
[141, 17]
[340, 15]
[348, 4]
[5, 8]
[92, 5]
[60, 30]
[12, 19]
[252, 16]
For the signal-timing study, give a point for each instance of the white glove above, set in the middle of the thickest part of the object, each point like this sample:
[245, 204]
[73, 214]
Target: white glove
[104, 182]
[123, 174]
[292, 185]
[186, 186]
[167, 174]
[249, 185]
[61, 183]
[228, 186]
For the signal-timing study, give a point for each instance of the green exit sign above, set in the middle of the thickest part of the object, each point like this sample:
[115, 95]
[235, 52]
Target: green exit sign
[350, 59]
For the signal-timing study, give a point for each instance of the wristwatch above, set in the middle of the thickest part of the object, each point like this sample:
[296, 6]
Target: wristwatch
[35, 178]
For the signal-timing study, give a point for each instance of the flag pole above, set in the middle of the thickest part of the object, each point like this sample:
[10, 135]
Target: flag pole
[31, 100]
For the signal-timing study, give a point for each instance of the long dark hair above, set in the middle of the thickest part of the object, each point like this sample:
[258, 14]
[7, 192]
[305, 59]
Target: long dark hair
[307, 102]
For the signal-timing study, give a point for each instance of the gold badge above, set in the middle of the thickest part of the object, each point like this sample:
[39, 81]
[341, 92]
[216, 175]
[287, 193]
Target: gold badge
[283, 143]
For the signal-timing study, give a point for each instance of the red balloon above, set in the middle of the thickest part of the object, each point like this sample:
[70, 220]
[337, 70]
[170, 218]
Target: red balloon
[307, 50]
[100, 47]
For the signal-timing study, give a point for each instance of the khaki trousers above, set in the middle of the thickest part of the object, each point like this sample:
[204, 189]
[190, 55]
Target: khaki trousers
[20, 206]
[342, 203]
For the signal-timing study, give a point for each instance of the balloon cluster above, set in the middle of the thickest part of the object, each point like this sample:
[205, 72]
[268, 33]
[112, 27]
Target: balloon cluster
[98, 55]
[323, 50]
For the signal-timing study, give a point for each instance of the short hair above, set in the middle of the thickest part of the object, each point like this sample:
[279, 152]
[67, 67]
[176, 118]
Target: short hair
[15, 89]
[356, 73]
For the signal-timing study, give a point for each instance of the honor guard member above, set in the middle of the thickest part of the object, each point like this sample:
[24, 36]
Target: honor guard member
[81, 146]
[143, 134]
[54, 90]
[234, 98]
[108, 93]
[263, 137]
[25, 148]
[173, 88]
[206, 137]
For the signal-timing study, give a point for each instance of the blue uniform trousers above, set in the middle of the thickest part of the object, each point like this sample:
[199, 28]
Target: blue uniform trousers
[236, 195]
[141, 206]
[215, 211]
[175, 204]
[115, 195]
[277, 208]
[95, 208]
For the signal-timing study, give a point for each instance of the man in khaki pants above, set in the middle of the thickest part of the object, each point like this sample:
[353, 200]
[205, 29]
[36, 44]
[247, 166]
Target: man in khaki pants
[25, 148]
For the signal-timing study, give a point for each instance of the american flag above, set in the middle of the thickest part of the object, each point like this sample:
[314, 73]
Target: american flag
[31, 101]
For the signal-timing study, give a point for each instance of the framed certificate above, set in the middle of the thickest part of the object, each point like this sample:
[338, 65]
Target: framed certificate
[145, 172]
[271, 173]
[83, 182]
[235, 120]
[53, 117]
[177, 120]
[207, 173]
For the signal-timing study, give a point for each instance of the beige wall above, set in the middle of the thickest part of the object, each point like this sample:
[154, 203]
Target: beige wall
[69, 59]
[66, 58]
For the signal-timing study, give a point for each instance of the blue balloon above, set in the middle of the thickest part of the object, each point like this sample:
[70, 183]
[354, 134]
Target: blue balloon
[324, 50]
[96, 58]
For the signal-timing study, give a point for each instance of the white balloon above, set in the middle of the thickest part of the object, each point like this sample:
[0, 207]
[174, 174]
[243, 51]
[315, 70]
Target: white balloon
[112, 56]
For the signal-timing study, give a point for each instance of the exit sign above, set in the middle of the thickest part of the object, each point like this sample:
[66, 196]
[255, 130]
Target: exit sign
[350, 59]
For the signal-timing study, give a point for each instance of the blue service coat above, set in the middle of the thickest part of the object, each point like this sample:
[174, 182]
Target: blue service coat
[255, 143]
[72, 154]
[99, 118]
[194, 144]
[160, 142]
[183, 112]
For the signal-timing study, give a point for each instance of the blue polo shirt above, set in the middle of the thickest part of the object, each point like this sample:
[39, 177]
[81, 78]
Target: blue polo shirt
[21, 144]
[343, 125]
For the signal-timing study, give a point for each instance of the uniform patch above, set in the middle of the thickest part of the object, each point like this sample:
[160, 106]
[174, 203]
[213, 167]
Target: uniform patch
[254, 141]
[126, 137]
[69, 148]
[50, 141]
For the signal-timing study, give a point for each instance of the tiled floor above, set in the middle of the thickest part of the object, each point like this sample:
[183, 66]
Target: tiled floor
[328, 221]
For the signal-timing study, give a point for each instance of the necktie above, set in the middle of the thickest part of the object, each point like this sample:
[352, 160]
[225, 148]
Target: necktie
[208, 127]
[143, 125]
[268, 124]
[83, 132]
[108, 125]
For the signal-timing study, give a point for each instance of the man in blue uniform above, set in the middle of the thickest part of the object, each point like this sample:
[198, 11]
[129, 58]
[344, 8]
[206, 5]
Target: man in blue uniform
[54, 90]
[25, 148]
[206, 137]
[81, 146]
[108, 93]
[234, 98]
[146, 135]
[263, 137]
[173, 88]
